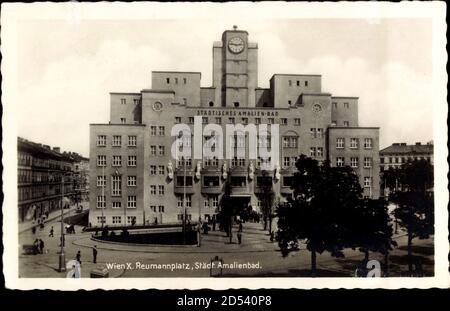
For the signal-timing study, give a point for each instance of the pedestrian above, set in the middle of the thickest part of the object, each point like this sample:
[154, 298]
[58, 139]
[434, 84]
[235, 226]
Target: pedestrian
[239, 236]
[79, 257]
[36, 247]
[240, 226]
[33, 229]
[94, 254]
[51, 232]
[214, 224]
[41, 246]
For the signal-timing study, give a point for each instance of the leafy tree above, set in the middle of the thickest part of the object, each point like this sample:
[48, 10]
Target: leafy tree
[321, 211]
[415, 202]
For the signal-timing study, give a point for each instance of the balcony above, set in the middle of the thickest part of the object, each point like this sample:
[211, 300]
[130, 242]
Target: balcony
[211, 184]
[263, 182]
[179, 184]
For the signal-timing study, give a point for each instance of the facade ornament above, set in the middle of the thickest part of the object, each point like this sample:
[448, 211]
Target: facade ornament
[251, 171]
[224, 170]
[170, 170]
[198, 170]
[277, 172]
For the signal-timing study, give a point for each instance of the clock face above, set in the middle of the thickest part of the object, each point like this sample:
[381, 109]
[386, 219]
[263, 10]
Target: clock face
[236, 45]
[157, 106]
[316, 108]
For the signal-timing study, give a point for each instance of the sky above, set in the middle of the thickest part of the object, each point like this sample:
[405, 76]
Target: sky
[66, 68]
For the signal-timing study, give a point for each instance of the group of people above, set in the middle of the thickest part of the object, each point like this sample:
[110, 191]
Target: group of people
[38, 246]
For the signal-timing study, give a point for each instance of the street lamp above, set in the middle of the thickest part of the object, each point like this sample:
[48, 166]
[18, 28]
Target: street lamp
[62, 255]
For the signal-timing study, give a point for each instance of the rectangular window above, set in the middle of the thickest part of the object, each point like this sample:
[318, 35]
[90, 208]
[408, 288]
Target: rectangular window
[153, 150]
[101, 181]
[293, 161]
[339, 161]
[161, 208]
[153, 208]
[334, 105]
[116, 185]
[271, 120]
[101, 219]
[116, 205]
[211, 181]
[184, 80]
[354, 143]
[176, 80]
[368, 143]
[153, 130]
[116, 141]
[245, 121]
[346, 105]
[367, 181]
[238, 181]
[152, 169]
[297, 121]
[306, 83]
[117, 160]
[231, 120]
[161, 150]
[257, 121]
[161, 169]
[354, 162]
[319, 132]
[218, 120]
[101, 140]
[286, 161]
[131, 202]
[312, 152]
[191, 120]
[132, 160]
[161, 189]
[290, 82]
[123, 101]
[367, 162]
[340, 143]
[214, 201]
[320, 151]
[346, 123]
[298, 83]
[284, 121]
[180, 201]
[153, 189]
[168, 80]
[136, 101]
[101, 160]
[161, 131]
[131, 181]
[132, 141]
[178, 120]
[205, 120]
[131, 219]
[313, 132]
[180, 181]
[116, 220]
[123, 120]
[101, 201]
[262, 181]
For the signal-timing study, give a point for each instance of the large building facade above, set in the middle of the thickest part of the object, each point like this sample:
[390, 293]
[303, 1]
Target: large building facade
[135, 177]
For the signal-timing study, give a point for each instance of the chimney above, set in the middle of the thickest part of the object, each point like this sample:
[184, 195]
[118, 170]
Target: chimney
[403, 144]
[57, 149]
[46, 147]
[418, 144]
[396, 144]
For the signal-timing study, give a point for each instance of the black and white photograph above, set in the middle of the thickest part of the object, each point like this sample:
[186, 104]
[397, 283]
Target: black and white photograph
[289, 144]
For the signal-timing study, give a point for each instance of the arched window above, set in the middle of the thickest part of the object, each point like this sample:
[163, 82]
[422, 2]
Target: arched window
[211, 104]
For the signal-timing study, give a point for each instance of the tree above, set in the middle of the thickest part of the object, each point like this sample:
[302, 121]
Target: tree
[267, 198]
[415, 202]
[321, 209]
[227, 210]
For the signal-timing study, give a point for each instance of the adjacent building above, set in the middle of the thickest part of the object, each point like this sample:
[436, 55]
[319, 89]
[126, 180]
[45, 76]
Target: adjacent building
[135, 178]
[44, 174]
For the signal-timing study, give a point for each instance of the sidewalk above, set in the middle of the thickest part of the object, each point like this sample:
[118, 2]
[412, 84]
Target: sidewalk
[27, 225]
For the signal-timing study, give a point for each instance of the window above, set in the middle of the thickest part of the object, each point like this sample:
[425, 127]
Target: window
[339, 161]
[131, 219]
[368, 143]
[136, 101]
[161, 208]
[290, 142]
[123, 101]
[271, 120]
[354, 143]
[205, 120]
[211, 104]
[312, 152]
[132, 160]
[245, 121]
[238, 181]
[184, 101]
[293, 161]
[116, 204]
[101, 181]
[367, 162]
[117, 160]
[333, 123]
[262, 181]
[117, 141]
[180, 181]
[319, 133]
[236, 104]
[298, 83]
[153, 208]
[131, 181]
[101, 201]
[306, 83]
[334, 105]
[320, 151]
[257, 121]
[218, 120]
[131, 202]
[161, 169]
[367, 181]
[161, 189]
[153, 189]
[168, 80]
[284, 121]
[161, 150]
[214, 201]
[297, 121]
[176, 80]
[152, 169]
[346, 123]
[179, 201]
[211, 181]
[132, 140]
[184, 80]
[177, 119]
[123, 120]
[116, 185]
[101, 219]
[161, 131]
[191, 120]
[116, 219]
[290, 82]
[231, 121]
[340, 143]
[153, 130]
[354, 162]
[289, 102]
[346, 105]
[286, 161]
[153, 150]
[101, 140]
[101, 160]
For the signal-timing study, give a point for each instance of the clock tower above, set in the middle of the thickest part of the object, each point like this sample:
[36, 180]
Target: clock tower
[235, 69]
